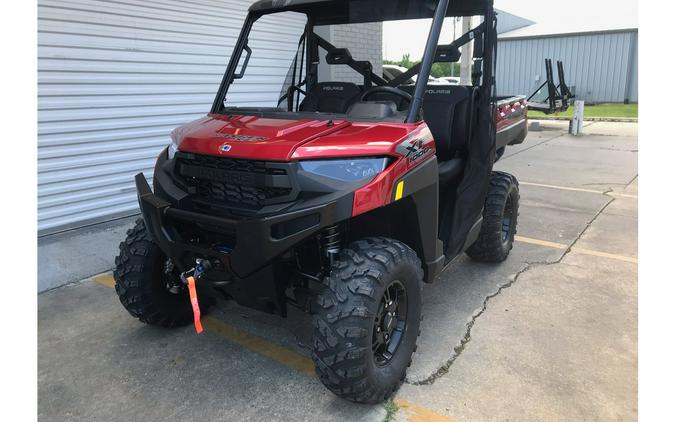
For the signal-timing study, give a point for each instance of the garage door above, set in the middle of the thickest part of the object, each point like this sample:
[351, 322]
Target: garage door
[115, 77]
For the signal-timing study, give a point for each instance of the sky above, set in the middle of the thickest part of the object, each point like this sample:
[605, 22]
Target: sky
[401, 37]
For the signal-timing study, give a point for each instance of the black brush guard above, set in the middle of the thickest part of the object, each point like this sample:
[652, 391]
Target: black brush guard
[257, 240]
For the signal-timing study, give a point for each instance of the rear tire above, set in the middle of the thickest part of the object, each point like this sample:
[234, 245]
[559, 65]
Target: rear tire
[368, 320]
[500, 220]
[141, 283]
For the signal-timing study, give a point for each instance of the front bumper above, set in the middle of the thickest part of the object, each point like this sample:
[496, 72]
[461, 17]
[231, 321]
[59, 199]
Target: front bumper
[255, 242]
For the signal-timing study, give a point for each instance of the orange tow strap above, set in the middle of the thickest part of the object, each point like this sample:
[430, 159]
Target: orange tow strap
[195, 304]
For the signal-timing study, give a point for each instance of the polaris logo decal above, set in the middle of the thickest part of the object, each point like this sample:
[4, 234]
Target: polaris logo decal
[241, 138]
[333, 88]
[438, 91]
[225, 147]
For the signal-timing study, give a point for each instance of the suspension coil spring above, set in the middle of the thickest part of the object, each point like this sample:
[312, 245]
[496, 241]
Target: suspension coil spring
[331, 241]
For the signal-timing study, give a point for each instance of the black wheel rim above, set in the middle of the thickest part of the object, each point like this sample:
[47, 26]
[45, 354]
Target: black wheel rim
[507, 220]
[390, 323]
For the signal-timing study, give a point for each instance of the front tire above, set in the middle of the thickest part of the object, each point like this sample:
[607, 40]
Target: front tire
[500, 220]
[368, 320]
[145, 289]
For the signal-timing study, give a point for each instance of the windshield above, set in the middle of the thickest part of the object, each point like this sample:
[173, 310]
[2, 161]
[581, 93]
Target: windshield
[274, 47]
[332, 69]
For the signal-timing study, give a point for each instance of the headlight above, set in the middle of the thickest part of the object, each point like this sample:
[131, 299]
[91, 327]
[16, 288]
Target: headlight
[346, 170]
[173, 149]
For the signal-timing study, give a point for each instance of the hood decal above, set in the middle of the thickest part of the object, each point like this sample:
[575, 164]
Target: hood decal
[241, 138]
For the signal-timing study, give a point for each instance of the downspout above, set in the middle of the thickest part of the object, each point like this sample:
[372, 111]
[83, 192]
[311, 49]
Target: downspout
[629, 70]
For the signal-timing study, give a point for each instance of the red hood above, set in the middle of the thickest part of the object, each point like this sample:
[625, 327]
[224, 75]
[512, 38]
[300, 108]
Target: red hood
[284, 140]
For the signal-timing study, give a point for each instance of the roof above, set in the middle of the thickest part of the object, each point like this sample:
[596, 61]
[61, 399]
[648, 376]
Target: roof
[576, 16]
[327, 12]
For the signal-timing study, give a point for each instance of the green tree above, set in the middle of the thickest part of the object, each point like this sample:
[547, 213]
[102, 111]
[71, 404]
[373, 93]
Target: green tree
[406, 62]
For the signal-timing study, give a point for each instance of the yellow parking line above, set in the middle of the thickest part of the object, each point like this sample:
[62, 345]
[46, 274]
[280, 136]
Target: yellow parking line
[605, 255]
[259, 345]
[273, 351]
[538, 242]
[419, 413]
[106, 279]
[542, 185]
[584, 251]
[252, 342]
[573, 189]
[622, 195]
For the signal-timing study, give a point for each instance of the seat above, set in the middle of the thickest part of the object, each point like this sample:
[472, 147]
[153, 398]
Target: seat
[448, 112]
[331, 97]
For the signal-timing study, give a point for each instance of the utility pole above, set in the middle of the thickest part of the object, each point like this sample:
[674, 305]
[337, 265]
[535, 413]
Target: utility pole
[467, 55]
[454, 37]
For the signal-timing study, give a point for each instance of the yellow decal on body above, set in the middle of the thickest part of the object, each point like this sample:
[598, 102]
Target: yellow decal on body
[399, 191]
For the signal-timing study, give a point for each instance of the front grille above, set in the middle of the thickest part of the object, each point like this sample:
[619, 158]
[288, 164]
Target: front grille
[230, 164]
[220, 193]
[215, 183]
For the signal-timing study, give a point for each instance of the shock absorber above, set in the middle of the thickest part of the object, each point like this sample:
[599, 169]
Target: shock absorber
[331, 242]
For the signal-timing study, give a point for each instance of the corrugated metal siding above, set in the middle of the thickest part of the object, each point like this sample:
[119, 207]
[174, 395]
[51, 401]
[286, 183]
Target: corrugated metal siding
[596, 64]
[633, 82]
[115, 77]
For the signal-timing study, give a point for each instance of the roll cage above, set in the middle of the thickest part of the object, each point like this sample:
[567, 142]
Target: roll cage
[332, 12]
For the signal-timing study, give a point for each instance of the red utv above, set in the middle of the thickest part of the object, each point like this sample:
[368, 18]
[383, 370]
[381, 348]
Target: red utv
[341, 198]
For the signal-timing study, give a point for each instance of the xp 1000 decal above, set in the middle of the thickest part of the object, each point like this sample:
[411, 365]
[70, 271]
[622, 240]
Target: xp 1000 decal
[416, 147]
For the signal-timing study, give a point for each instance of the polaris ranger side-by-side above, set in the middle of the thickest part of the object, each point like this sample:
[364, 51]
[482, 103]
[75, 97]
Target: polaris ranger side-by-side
[339, 198]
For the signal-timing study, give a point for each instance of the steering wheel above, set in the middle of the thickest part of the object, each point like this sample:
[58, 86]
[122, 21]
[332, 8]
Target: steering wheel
[388, 90]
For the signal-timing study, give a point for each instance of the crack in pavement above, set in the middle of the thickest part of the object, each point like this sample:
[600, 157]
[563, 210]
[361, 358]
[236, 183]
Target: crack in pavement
[631, 181]
[457, 351]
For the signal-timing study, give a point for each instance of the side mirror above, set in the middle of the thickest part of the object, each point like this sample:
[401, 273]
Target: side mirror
[243, 67]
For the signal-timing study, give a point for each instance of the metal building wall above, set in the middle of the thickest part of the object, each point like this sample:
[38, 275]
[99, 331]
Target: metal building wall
[115, 77]
[601, 66]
